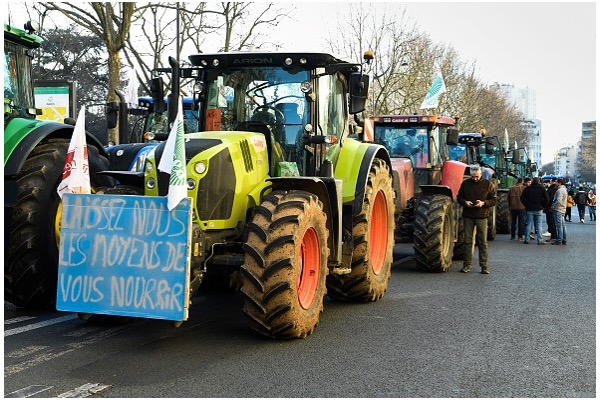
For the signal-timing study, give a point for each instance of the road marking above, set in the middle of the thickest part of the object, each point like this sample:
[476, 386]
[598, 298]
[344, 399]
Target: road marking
[28, 391]
[42, 324]
[47, 356]
[25, 352]
[84, 390]
[17, 320]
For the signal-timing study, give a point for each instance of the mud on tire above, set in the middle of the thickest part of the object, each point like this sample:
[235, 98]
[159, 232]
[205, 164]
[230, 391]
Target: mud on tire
[285, 265]
[373, 243]
[31, 259]
[434, 238]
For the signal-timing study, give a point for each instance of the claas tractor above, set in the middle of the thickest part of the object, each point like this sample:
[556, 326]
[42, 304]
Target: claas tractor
[34, 157]
[282, 193]
[426, 184]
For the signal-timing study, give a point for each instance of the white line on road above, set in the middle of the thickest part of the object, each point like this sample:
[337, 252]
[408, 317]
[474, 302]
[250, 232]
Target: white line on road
[28, 391]
[39, 325]
[16, 320]
[84, 390]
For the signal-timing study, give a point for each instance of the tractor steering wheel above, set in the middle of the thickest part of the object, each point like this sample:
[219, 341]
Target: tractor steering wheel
[262, 114]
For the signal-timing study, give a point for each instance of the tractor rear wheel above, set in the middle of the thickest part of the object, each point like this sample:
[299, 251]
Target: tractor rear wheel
[502, 213]
[434, 233]
[373, 241]
[31, 260]
[285, 265]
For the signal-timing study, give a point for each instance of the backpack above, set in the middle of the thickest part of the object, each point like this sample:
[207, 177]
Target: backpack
[580, 198]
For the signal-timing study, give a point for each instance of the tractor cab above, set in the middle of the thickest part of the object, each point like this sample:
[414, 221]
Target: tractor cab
[18, 89]
[423, 139]
[297, 100]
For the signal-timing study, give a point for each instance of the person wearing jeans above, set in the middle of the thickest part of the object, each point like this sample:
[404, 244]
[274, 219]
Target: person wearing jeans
[534, 198]
[559, 207]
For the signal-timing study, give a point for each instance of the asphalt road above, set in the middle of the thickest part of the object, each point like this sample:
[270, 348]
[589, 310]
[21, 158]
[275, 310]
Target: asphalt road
[525, 330]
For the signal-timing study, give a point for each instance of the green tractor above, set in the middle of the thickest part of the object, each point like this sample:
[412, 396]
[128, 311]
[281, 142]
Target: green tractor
[34, 157]
[500, 165]
[282, 193]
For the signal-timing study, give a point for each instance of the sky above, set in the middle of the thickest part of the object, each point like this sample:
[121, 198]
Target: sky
[549, 47]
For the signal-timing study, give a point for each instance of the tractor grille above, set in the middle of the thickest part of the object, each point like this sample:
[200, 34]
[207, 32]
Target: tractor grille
[216, 189]
[246, 155]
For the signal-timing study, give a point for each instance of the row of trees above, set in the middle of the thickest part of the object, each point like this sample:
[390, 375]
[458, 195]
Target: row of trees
[101, 37]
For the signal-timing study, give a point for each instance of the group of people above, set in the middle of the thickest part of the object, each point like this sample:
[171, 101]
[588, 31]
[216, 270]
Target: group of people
[528, 202]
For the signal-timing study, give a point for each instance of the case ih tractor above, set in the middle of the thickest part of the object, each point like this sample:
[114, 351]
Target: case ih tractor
[426, 183]
[34, 157]
[279, 187]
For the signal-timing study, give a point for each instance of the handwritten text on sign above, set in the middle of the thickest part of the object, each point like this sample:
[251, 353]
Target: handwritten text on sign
[124, 255]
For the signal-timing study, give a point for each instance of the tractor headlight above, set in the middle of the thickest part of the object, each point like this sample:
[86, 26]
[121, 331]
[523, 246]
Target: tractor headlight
[200, 167]
[151, 183]
[148, 167]
[288, 61]
[191, 184]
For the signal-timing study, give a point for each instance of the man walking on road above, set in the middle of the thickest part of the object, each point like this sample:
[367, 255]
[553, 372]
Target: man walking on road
[478, 198]
[581, 201]
[517, 210]
[559, 207]
[535, 198]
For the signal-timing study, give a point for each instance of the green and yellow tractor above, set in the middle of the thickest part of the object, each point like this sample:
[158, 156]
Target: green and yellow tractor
[282, 194]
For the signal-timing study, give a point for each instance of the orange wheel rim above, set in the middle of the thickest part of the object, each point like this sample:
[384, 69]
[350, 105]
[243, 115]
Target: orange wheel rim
[310, 258]
[378, 237]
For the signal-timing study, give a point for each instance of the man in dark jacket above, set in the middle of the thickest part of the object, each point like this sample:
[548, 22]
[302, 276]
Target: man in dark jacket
[478, 198]
[552, 188]
[535, 199]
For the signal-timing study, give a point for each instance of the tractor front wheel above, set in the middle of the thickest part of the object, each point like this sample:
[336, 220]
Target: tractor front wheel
[285, 265]
[31, 259]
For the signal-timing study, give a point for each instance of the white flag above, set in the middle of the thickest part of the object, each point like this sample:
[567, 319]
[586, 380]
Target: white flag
[173, 161]
[437, 87]
[76, 174]
[505, 139]
[131, 92]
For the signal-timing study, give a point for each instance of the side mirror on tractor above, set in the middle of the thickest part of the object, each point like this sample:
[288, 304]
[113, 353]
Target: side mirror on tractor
[452, 137]
[516, 157]
[359, 88]
[489, 146]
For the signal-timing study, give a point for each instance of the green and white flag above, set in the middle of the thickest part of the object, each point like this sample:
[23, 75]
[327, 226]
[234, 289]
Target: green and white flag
[437, 87]
[173, 161]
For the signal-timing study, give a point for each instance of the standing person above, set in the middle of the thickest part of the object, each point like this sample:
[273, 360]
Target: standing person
[478, 198]
[581, 201]
[591, 202]
[552, 187]
[559, 207]
[535, 198]
[570, 204]
[517, 210]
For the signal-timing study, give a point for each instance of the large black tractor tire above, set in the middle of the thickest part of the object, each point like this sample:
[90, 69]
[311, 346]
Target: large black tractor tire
[285, 265]
[373, 243]
[434, 233]
[459, 245]
[31, 259]
[502, 213]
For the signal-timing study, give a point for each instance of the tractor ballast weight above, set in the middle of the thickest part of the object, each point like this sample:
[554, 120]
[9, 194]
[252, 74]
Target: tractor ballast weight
[280, 188]
[34, 157]
[426, 184]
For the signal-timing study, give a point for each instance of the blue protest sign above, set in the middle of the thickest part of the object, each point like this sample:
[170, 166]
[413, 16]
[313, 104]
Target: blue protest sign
[124, 255]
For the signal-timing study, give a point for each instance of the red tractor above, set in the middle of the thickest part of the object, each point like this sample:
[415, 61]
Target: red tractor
[426, 182]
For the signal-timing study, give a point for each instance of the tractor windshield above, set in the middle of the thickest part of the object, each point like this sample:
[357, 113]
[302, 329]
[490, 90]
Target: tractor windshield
[267, 100]
[18, 96]
[405, 141]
